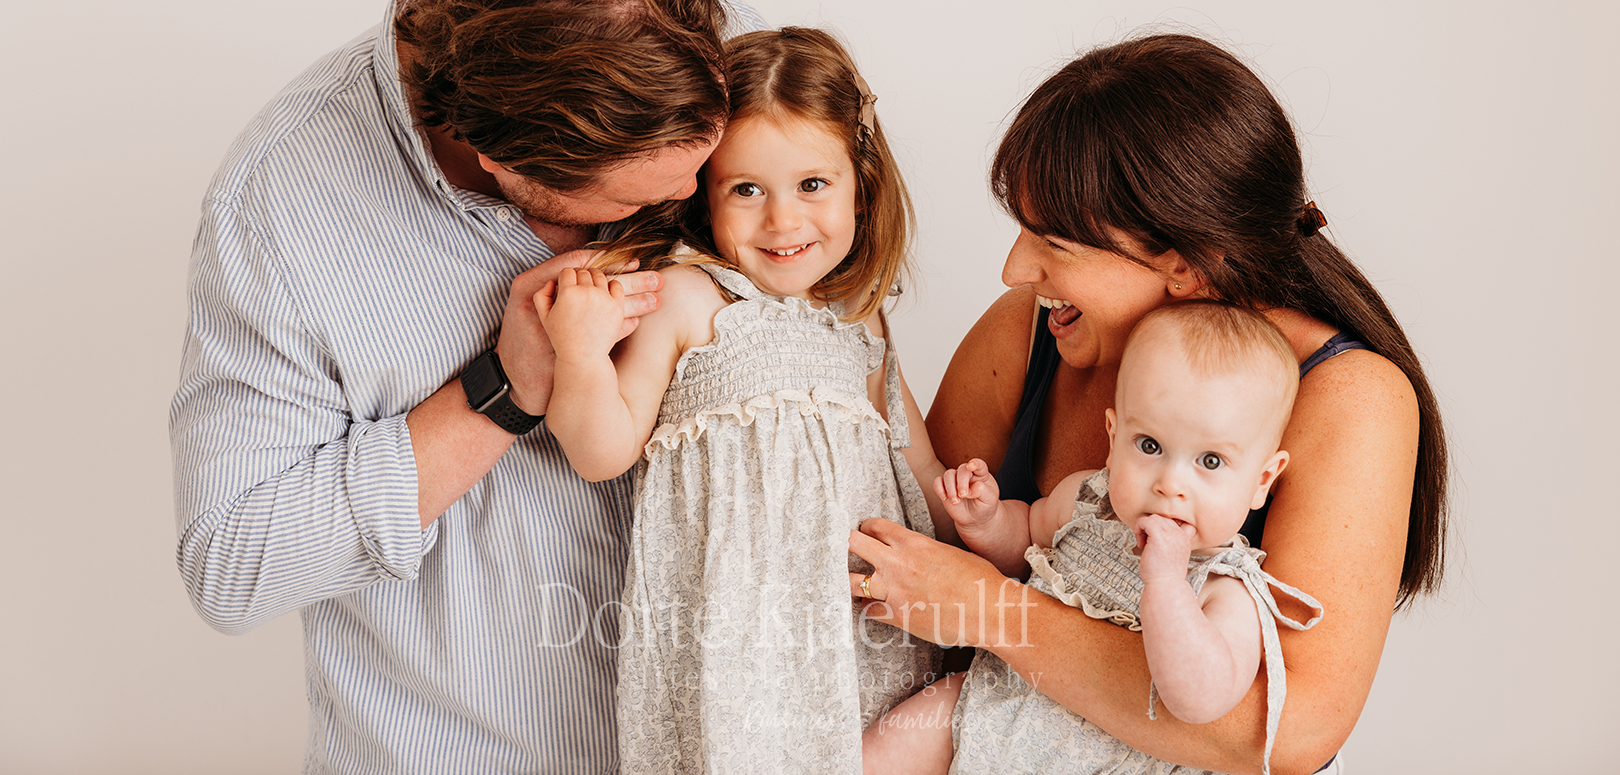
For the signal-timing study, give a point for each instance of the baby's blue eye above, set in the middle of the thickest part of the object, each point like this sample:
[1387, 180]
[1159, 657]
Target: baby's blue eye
[1148, 445]
[746, 189]
[812, 185]
[1210, 460]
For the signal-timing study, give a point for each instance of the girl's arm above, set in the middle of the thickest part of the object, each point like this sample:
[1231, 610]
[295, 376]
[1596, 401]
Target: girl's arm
[605, 400]
[1336, 529]
[1001, 531]
[920, 457]
[1055, 510]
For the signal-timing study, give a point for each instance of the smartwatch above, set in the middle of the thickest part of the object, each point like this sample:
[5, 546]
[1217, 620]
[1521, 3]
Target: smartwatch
[490, 394]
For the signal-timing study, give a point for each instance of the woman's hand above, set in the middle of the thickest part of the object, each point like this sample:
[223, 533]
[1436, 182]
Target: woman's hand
[935, 591]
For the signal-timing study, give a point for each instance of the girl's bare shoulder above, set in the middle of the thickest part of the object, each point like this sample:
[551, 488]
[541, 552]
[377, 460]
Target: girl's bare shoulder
[687, 303]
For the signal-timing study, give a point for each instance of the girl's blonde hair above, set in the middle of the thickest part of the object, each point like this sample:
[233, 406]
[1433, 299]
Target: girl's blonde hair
[804, 74]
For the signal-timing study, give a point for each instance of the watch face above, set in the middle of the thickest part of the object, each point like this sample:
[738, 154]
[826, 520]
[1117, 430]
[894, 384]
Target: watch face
[483, 381]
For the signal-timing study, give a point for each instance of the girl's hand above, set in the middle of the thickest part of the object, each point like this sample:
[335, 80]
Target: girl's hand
[934, 591]
[525, 348]
[1165, 546]
[970, 495]
[583, 311]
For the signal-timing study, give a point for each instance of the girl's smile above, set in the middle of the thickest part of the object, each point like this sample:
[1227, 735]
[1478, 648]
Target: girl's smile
[781, 193]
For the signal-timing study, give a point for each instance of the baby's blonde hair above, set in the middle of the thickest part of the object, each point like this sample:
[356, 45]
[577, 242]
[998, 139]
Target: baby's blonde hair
[1219, 338]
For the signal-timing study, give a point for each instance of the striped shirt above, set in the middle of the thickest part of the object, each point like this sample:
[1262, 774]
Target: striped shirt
[336, 281]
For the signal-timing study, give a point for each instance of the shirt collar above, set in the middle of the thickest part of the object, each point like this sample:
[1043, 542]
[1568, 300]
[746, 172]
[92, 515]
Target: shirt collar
[412, 137]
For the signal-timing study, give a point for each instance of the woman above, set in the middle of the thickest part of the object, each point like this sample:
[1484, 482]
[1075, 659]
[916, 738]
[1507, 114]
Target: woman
[1142, 173]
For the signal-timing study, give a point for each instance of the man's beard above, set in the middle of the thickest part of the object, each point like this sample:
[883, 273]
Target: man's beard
[540, 203]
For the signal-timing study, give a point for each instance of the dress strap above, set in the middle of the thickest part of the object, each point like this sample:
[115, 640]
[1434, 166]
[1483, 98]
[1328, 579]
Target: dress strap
[731, 280]
[894, 400]
[1241, 563]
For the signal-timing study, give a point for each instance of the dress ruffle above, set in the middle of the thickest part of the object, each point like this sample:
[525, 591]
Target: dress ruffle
[829, 404]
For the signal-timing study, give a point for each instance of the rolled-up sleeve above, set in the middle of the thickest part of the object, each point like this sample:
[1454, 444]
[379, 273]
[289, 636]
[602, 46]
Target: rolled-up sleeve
[282, 496]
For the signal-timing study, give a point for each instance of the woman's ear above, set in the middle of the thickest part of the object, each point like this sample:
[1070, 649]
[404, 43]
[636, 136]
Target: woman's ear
[1182, 280]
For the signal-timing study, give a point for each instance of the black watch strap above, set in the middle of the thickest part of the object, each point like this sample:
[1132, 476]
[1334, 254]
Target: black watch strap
[490, 394]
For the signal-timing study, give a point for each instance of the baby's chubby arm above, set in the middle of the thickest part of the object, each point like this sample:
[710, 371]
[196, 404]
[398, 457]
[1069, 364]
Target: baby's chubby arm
[606, 396]
[1203, 651]
[997, 530]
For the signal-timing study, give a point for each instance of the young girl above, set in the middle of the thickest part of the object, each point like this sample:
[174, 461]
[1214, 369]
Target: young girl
[1150, 543]
[773, 420]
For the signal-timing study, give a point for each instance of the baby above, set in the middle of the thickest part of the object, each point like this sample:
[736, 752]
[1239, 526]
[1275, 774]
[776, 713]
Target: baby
[1151, 543]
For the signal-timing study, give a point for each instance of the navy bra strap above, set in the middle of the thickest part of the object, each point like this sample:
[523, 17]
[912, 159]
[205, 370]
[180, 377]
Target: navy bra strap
[1342, 342]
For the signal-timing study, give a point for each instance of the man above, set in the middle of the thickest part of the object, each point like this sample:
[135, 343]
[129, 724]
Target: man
[364, 369]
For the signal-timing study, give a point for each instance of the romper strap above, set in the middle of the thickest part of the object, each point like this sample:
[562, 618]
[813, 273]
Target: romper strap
[1237, 562]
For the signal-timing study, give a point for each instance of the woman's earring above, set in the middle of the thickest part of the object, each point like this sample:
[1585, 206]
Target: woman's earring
[1178, 286]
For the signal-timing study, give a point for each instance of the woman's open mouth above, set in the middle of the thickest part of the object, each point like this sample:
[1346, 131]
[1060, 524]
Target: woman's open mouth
[1063, 313]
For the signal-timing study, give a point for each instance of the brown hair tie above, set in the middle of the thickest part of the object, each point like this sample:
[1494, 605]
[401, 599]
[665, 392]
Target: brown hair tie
[1311, 220]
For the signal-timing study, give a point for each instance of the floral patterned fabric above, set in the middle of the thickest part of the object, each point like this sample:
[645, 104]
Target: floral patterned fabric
[741, 650]
[1002, 724]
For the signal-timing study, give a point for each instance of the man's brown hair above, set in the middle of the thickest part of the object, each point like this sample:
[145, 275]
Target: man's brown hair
[561, 91]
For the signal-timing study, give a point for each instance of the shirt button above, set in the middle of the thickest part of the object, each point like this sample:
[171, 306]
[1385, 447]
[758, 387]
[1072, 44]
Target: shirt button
[503, 214]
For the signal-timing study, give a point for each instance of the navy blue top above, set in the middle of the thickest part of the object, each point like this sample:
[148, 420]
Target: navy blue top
[1017, 474]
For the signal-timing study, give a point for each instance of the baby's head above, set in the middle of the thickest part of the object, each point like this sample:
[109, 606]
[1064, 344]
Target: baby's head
[802, 194]
[1205, 390]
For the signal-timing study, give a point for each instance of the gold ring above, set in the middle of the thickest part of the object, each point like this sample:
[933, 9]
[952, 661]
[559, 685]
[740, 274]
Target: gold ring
[866, 586]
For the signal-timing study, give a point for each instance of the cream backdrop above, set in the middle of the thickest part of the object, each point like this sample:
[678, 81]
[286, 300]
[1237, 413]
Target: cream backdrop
[1463, 151]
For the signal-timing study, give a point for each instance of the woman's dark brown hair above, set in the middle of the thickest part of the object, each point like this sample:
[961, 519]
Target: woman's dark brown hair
[1174, 142]
[563, 90]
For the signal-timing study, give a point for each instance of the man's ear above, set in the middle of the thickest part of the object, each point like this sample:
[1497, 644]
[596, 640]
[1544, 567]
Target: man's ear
[1268, 477]
[490, 165]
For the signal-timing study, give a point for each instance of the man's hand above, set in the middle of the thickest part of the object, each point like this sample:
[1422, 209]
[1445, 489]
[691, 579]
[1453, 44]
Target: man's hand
[525, 349]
